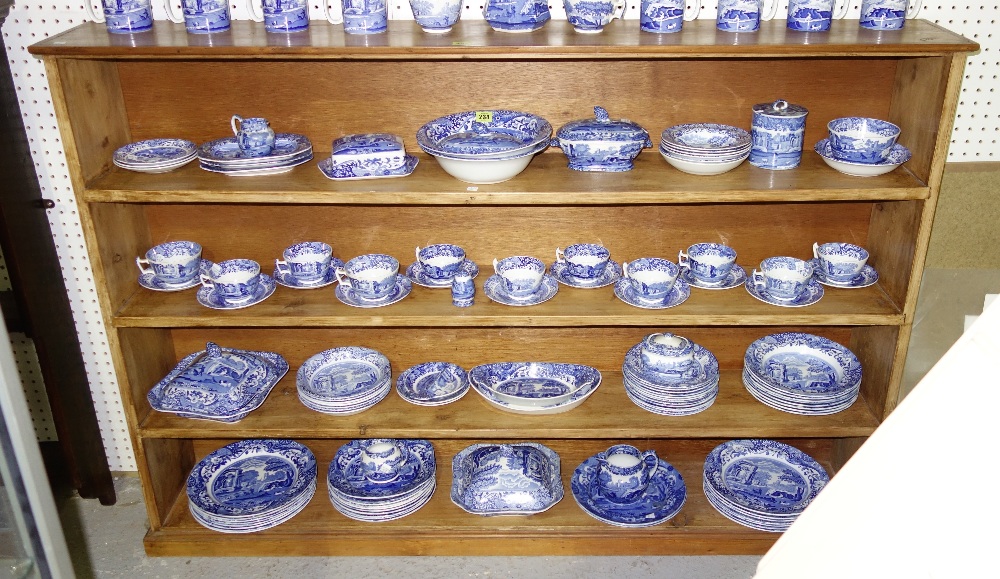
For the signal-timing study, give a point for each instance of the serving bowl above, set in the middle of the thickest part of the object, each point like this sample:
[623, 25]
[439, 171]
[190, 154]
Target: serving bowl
[533, 384]
[601, 144]
[484, 134]
[506, 479]
[897, 156]
[486, 171]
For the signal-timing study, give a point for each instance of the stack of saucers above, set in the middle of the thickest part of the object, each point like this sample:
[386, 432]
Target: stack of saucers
[802, 373]
[705, 148]
[224, 156]
[344, 380]
[155, 155]
[251, 485]
[761, 484]
[687, 390]
[382, 479]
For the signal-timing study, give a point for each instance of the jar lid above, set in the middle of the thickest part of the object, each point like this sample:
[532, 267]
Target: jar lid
[780, 108]
[602, 128]
[366, 144]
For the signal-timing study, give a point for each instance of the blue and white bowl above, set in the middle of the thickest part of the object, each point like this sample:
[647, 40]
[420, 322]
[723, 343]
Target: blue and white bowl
[862, 139]
[484, 134]
[436, 16]
[601, 144]
[897, 156]
[533, 384]
[705, 148]
[506, 479]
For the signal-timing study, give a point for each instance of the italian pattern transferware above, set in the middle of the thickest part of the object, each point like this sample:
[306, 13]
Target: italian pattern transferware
[506, 479]
[416, 272]
[601, 144]
[516, 15]
[223, 384]
[432, 384]
[690, 389]
[678, 294]
[368, 156]
[251, 485]
[897, 156]
[210, 298]
[495, 290]
[488, 134]
[534, 387]
[561, 272]
[761, 484]
[225, 156]
[661, 500]
[348, 296]
[155, 155]
[358, 493]
[344, 380]
[812, 293]
[868, 276]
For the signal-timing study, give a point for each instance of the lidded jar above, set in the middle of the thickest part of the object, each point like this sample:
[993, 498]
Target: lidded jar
[777, 130]
[600, 143]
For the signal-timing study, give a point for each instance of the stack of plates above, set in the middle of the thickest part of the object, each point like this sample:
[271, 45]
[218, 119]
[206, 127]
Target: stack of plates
[762, 484]
[705, 148]
[344, 380]
[432, 384]
[224, 156]
[155, 155]
[672, 394]
[359, 498]
[251, 485]
[802, 373]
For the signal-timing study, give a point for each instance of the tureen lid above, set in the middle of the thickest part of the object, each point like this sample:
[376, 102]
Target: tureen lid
[602, 128]
[780, 108]
[366, 144]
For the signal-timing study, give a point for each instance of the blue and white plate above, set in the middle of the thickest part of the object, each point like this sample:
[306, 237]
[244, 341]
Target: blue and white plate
[155, 155]
[812, 294]
[149, 280]
[897, 156]
[867, 277]
[210, 299]
[704, 137]
[483, 134]
[663, 498]
[273, 169]
[227, 152]
[286, 278]
[348, 296]
[361, 170]
[802, 373]
[611, 274]
[495, 290]
[347, 477]
[343, 375]
[704, 370]
[432, 383]
[479, 380]
[415, 272]
[249, 166]
[735, 278]
[677, 295]
[506, 479]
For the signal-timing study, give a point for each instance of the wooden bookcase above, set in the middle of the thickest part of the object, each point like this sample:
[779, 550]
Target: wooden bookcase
[111, 90]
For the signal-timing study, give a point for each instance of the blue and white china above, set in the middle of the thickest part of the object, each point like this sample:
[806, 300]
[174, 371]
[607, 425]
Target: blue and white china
[665, 16]
[254, 136]
[743, 15]
[491, 170]
[463, 290]
[516, 15]
[667, 353]
[484, 134]
[506, 479]
[862, 139]
[689, 390]
[495, 288]
[777, 130]
[705, 138]
[288, 280]
[272, 167]
[838, 261]
[651, 277]
[415, 271]
[814, 15]
[440, 261]
[812, 292]
[155, 155]
[251, 485]
[343, 380]
[372, 153]
[233, 280]
[151, 282]
[307, 261]
[585, 261]
[210, 298]
[432, 383]
[436, 16]
[381, 460]
[365, 16]
[679, 292]
[707, 263]
[539, 407]
[370, 277]
[281, 15]
[590, 16]
[353, 171]
[123, 16]
[897, 156]
[866, 277]
[349, 478]
[174, 263]
[661, 499]
[782, 278]
[887, 14]
[612, 273]
[624, 472]
[735, 278]
[401, 288]
[521, 274]
[533, 384]
[222, 384]
[600, 143]
[200, 16]
[226, 152]
[762, 484]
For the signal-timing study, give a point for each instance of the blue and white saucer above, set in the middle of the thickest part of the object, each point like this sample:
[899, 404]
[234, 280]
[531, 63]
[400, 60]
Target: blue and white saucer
[612, 273]
[288, 280]
[676, 296]
[661, 501]
[150, 281]
[867, 277]
[208, 298]
[357, 172]
[735, 278]
[495, 290]
[348, 296]
[416, 273]
[813, 293]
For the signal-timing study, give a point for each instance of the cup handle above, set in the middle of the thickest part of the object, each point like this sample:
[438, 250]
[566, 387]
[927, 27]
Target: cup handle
[758, 278]
[839, 13]
[333, 17]
[168, 7]
[914, 9]
[341, 275]
[560, 256]
[696, 13]
[417, 253]
[139, 262]
[232, 123]
[252, 11]
[682, 259]
[93, 15]
[495, 266]
[651, 461]
[625, 269]
[282, 266]
[816, 250]
[207, 282]
[770, 13]
[619, 9]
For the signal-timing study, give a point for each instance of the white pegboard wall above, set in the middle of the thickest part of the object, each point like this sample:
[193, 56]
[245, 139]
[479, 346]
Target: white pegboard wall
[976, 137]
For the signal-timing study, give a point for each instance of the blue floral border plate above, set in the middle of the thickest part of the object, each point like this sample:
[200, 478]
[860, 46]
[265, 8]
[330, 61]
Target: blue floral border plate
[207, 297]
[663, 499]
[611, 274]
[803, 364]
[347, 372]
[867, 277]
[154, 153]
[288, 280]
[415, 272]
[494, 289]
[812, 294]
[677, 295]
[349, 297]
[227, 151]
[735, 278]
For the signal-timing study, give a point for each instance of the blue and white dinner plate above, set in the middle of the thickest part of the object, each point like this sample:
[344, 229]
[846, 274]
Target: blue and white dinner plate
[867, 277]
[415, 272]
[286, 278]
[611, 274]
[735, 278]
[495, 290]
[812, 294]
[382, 513]
[432, 383]
[663, 498]
[346, 475]
[349, 297]
[273, 169]
[803, 364]
[677, 295]
[210, 299]
[227, 152]
[354, 172]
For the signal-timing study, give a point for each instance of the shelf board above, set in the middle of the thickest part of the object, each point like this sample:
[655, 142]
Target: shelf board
[546, 181]
[473, 39]
[608, 413]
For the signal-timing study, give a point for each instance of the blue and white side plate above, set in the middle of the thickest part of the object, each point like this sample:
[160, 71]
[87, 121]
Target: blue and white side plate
[286, 278]
[349, 297]
[210, 299]
[155, 155]
[662, 500]
[432, 383]
[705, 137]
[677, 295]
[347, 477]
[736, 277]
[506, 479]
[149, 281]
[867, 277]
[495, 290]
[811, 295]
[226, 151]
[415, 272]
[611, 274]
[344, 373]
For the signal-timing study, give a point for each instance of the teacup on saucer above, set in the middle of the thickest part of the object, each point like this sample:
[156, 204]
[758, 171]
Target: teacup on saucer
[496, 290]
[210, 298]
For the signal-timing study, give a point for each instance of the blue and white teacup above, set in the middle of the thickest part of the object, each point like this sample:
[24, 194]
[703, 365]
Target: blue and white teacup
[173, 262]
[665, 16]
[862, 139]
[709, 263]
[200, 16]
[743, 15]
[359, 16]
[233, 280]
[123, 16]
[625, 472]
[371, 276]
[783, 278]
[521, 274]
[591, 16]
[436, 16]
[584, 260]
[814, 15]
[254, 136]
[777, 130]
[441, 260]
[381, 460]
[840, 262]
[307, 261]
[666, 352]
[887, 14]
[651, 278]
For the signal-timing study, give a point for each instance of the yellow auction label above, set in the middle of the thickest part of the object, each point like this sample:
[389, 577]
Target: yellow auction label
[484, 116]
